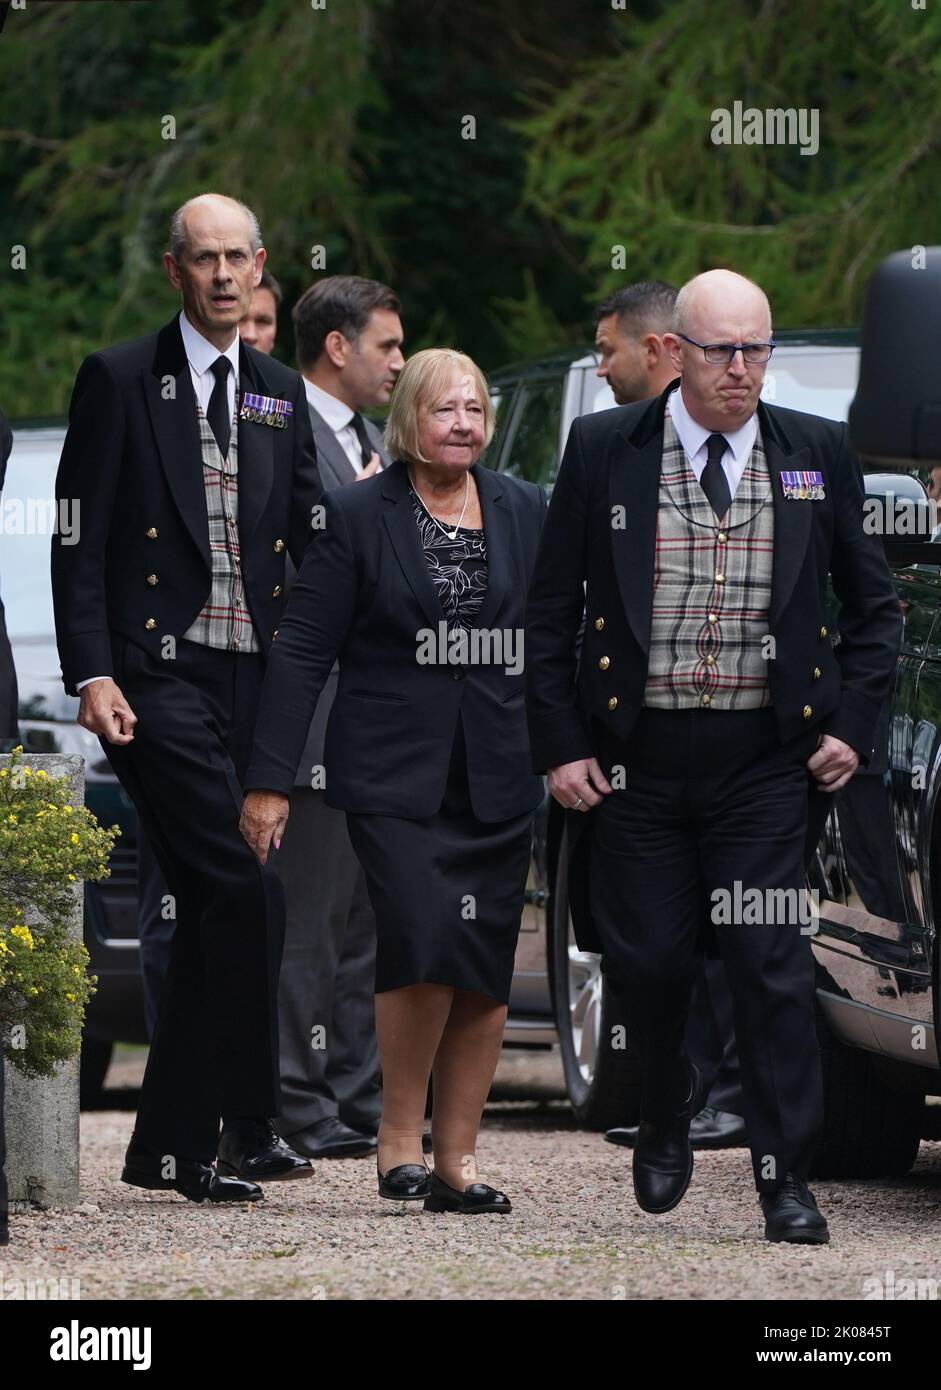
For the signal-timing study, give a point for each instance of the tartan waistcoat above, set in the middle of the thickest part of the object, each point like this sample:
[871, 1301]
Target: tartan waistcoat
[712, 588]
[224, 620]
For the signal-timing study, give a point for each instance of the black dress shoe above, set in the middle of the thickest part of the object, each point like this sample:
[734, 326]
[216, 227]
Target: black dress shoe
[331, 1138]
[663, 1155]
[710, 1129]
[717, 1129]
[792, 1215]
[477, 1197]
[254, 1149]
[199, 1182]
[408, 1182]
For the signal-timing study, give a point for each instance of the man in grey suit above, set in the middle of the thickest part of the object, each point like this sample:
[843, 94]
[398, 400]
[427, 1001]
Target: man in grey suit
[349, 351]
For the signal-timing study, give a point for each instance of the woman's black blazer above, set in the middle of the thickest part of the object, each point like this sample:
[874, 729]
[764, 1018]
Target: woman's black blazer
[364, 595]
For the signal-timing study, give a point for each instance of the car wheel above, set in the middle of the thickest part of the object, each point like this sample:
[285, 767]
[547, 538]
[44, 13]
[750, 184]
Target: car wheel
[96, 1059]
[870, 1130]
[602, 1075]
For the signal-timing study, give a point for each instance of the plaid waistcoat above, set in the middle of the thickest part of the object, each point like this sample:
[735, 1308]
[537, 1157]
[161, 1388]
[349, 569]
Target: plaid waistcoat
[712, 588]
[225, 620]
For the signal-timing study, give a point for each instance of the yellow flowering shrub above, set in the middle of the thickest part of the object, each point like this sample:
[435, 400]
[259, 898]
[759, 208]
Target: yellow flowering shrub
[46, 846]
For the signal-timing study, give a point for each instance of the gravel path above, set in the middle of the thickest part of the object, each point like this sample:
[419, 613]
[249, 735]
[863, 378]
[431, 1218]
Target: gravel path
[575, 1231]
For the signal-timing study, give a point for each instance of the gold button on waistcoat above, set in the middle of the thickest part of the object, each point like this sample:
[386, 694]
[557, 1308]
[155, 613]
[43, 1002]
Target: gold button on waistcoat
[151, 533]
[710, 660]
[722, 538]
[599, 624]
[807, 711]
[707, 699]
[278, 546]
[604, 663]
[276, 591]
[713, 618]
[152, 579]
[150, 624]
[613, 702]
[720, 578]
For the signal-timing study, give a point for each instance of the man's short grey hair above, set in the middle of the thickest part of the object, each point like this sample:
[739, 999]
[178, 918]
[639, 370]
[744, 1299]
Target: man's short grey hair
[178, 239]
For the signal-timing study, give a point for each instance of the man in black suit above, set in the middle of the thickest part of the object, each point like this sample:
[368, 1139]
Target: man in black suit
[631, 326]
[349, 350]
[8, 693]
[192, 462]
[700, 529]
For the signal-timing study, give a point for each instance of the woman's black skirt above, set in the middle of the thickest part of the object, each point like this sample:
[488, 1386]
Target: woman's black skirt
[447, 891]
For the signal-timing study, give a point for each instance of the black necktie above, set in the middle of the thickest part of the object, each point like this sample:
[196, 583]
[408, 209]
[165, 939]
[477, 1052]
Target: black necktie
[365, 443]
[218, 413]
[713, 481]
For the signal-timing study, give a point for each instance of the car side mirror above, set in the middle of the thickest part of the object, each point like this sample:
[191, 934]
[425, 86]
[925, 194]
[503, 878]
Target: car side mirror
[895, 417]
[899, 509]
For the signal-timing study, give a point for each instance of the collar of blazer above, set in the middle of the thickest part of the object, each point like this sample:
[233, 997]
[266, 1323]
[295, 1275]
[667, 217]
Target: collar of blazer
[403, 533]
[634, 488]
[173, 415]
[331, 453]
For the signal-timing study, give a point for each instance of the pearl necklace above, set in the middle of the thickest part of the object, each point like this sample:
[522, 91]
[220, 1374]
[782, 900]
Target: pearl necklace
[451, 535]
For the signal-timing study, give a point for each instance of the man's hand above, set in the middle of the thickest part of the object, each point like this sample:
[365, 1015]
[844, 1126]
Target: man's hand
[578, 786]
[105, 712]
[371, 468]
[833, 764]
[264, 816]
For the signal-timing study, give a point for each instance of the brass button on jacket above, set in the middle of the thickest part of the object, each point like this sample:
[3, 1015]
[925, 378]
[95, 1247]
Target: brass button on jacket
[278, 546]
[152, 579]
[276, 591]
[613, 702]
[808, 711]
[817, 673]
[150, 624]
[599, 624]
[151, 533]
[604, 663]
[824, 632]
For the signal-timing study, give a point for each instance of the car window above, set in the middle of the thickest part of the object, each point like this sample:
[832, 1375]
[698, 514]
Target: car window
[502, 397]
[27, 511]
[534, 448]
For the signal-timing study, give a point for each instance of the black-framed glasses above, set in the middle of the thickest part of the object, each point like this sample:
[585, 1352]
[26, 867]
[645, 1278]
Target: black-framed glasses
[721, 354]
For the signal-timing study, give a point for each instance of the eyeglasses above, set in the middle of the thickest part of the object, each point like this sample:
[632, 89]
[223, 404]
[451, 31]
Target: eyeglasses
[721, 354]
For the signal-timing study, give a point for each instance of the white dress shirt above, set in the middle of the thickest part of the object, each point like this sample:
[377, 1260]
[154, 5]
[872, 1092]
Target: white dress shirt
[200, 354]
[340, 419]
[693, 438]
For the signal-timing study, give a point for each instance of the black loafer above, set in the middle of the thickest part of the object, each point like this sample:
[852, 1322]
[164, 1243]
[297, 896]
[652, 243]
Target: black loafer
[198, 1182]
[475, 1198]
[663, 1156]
[408, 1182]
[331, 1138]
[792, 1215]
[254, 1149]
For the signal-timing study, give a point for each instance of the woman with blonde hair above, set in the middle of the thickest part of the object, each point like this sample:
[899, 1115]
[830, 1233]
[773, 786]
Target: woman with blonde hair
[416, 582]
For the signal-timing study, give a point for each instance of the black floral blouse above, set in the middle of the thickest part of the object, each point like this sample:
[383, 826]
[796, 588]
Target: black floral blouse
[458, 568]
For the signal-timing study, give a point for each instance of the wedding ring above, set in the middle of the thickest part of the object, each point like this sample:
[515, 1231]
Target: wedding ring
[577, 804]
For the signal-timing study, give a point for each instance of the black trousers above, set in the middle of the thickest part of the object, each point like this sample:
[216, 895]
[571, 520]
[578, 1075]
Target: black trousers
[713, 809]
[326, 1004]
[215, 1047]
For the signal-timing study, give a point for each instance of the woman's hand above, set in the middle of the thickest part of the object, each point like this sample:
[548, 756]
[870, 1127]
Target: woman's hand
[264, 816]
